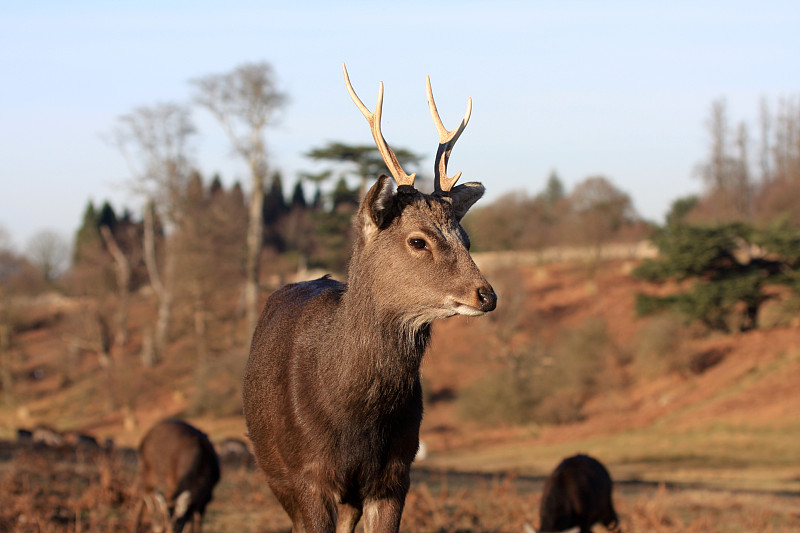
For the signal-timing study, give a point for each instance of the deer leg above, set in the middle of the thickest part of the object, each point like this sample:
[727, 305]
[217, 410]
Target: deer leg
[610, 519]
[613, 526]
[138, 511]
[198, 521]
[316, 521]
[383, 516]
[297, 526]
[318, 514]
[182, 512]
[348, 518]
[285, 494]
[161, 510]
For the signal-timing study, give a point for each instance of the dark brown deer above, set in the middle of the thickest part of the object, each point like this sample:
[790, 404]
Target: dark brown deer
[577, 494]
[332, 393]
[178, 469]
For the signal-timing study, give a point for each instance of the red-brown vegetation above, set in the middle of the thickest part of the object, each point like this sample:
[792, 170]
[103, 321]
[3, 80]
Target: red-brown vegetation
[691, 447]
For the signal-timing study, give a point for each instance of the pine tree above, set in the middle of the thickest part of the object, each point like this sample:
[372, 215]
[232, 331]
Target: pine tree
[343, 195]
[107, 216]
[88, 235]
[729, 267]
[298, 196]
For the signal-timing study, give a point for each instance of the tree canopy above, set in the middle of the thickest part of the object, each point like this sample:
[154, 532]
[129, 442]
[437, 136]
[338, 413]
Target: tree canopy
[727, 267]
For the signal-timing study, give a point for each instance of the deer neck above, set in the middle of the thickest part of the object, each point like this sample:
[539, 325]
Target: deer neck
[389, 330]
[381, 351]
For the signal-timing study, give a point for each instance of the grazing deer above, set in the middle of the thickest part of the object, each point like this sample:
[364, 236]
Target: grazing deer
[331, 391]
[47, 436]
[178, 469]
[578, 494]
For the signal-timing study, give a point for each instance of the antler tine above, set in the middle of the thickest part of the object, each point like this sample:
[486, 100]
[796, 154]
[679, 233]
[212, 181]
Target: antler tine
[447, 139]
[374, 120]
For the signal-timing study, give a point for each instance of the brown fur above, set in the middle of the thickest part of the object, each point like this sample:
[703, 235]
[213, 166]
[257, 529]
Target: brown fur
[332, 394]
[175, 457]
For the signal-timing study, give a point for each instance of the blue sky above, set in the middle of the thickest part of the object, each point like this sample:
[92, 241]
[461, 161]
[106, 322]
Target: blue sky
[617, 88]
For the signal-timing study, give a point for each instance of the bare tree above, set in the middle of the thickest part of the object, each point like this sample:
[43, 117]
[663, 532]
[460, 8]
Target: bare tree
[600, 211]
[6, 376]
[786, 150]
[211, 243]
[715, 170]
[741, 198]
[155, 143]
[122, 269]
[5, 239]
[244, 101]
[765, 126]
[18, 277]
[50, 252]
[725, 176]
[776, 196]
[9, 267]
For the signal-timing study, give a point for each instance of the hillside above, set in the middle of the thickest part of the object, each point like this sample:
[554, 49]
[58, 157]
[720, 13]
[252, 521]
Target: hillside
[726, 418]
[718, 410]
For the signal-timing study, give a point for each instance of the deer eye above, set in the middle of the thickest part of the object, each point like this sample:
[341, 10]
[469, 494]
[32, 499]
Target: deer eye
[417, 244]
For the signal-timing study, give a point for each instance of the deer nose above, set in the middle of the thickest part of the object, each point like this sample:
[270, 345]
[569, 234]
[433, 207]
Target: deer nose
[487, 298]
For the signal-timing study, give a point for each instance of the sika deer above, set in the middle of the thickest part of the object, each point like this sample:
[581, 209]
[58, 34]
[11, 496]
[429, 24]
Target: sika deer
[578, 493]
[331, 393]
[178, 469]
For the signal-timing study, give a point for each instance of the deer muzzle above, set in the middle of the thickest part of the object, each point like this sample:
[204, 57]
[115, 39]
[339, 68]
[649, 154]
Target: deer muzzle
[487, 299]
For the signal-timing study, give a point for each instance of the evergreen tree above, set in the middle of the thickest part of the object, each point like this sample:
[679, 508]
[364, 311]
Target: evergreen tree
[236, 196]
[87, 235]
[298, 196]
[729, 267]
[274, 210]
[681, 208]
[274, 202]
[216, 187]
[317, 179]
[107, 217]
[367, 159]
[554, 190]
[343, 195]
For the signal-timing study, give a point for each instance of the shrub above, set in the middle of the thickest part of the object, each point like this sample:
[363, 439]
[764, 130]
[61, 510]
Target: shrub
[544, 385]
[509, 395]
[658, 346]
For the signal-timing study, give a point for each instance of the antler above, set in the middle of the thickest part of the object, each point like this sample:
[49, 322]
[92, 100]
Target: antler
[374, 120]
[447, 139]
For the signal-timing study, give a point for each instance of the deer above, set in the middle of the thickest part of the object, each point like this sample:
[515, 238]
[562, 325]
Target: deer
[331, 391]
[577, 494]
[178, 469]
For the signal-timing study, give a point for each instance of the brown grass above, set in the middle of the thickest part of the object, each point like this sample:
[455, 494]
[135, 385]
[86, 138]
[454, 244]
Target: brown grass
[710, 414]
[56, 490]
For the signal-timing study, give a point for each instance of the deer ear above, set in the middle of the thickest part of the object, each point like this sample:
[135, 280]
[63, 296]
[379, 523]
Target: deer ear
[464, 196]
[377, 206]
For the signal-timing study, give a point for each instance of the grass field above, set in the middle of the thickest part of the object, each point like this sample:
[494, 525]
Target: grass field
[720, 457]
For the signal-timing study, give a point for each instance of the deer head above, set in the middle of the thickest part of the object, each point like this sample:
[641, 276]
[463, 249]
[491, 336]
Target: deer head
[419, 231]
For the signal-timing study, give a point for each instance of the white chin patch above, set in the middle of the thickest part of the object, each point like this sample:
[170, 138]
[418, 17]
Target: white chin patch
[454, 307]
[466, 310]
